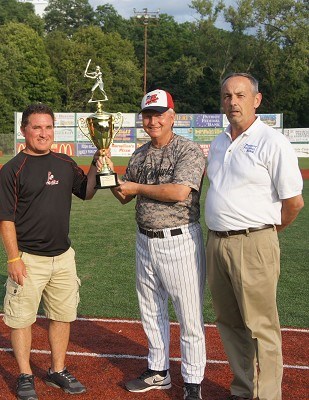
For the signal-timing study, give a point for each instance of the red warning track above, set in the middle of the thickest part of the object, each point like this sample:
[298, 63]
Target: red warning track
[103, 354]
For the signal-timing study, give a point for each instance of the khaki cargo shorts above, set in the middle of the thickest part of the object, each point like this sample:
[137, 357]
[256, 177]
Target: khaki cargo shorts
[51, 279]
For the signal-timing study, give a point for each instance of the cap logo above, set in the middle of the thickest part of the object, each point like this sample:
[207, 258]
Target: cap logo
[153, 98]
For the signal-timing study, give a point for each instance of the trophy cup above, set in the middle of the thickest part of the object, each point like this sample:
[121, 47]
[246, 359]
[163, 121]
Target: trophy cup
[101, 128]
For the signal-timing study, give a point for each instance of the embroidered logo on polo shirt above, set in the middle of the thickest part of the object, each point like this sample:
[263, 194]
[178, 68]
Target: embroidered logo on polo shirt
[51, 180]
[249, 148]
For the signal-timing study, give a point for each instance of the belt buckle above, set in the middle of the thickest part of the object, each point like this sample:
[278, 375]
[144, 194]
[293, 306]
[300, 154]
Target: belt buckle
[157, 235]
[223, 234]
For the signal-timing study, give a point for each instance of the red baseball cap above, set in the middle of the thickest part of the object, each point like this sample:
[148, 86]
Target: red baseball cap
[157, 100]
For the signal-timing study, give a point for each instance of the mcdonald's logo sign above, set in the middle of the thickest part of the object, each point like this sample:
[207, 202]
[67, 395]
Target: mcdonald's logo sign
[66, 148]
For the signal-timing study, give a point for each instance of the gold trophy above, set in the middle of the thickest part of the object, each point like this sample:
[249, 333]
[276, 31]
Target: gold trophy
[101, 128]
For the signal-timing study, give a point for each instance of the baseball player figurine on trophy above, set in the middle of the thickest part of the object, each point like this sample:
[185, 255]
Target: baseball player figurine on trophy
[101, 128]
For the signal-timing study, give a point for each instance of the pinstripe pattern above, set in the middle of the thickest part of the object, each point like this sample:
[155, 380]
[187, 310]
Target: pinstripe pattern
[173, 267]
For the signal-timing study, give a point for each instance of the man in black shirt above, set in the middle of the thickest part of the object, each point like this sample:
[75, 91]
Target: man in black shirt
[35, 203]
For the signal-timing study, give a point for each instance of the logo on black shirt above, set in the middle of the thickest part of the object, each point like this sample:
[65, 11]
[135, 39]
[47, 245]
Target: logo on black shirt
[51, 180]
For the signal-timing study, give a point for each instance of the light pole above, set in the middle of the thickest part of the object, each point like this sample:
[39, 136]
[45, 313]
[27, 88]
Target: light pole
[145, 16]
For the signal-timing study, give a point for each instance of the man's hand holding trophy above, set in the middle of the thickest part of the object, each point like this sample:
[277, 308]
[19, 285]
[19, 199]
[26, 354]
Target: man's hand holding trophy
[101, 128]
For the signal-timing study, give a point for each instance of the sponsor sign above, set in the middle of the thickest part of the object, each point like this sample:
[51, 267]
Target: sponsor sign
[64, 134]
[301, 149]
[66, 148]
[125, 135]
[208, 120]
[206, 134]
[185, 132]
[297, 135]
[65, 119]
[141, 134]
[273, 120]
[122, 149]
[85, 149]
[183, 121]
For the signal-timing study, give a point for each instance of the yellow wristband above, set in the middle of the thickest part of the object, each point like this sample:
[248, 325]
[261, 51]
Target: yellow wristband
[13, 259]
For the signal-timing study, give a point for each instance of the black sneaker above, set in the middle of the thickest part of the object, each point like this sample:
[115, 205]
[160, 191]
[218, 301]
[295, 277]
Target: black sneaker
[65, 381]
[150, 380]
[25, 387]
[192, 391]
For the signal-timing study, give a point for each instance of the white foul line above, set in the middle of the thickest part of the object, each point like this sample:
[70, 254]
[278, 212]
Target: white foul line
[135, 357]
[128, 356]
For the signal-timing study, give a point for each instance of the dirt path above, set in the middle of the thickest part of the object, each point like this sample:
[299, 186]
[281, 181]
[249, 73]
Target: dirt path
[103, 354]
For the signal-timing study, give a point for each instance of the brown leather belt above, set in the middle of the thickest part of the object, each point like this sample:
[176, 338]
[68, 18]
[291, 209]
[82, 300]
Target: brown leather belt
[159, 234]
[225, 234]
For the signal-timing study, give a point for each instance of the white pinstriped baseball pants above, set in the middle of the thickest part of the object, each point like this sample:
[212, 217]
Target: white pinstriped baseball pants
[173, 267]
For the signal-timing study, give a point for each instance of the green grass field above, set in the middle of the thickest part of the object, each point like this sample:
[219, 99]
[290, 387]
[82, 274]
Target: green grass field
[103, 236]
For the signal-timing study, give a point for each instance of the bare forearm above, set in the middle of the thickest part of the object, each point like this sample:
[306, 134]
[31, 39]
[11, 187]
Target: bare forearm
[91, 177]
[8, 234]
[168, 192]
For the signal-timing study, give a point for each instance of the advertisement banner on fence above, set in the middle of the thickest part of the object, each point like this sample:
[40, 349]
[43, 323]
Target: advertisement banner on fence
[297, 135]
[125, 135]
[66, 148]
[206, 134]
[141, 134]
[122, 149]
[301, 149]
[184, 121]
[185, 132]
[208, 120]
[273, 120]
[65, 119]
[85, 149]
[64, 134]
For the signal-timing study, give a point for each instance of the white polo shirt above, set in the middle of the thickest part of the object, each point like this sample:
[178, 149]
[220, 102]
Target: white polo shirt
[249, 177]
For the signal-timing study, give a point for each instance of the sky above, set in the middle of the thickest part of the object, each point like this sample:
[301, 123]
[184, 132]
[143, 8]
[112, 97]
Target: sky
[179, 9]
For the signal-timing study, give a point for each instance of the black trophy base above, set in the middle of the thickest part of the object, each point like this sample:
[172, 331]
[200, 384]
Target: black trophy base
[106, 180]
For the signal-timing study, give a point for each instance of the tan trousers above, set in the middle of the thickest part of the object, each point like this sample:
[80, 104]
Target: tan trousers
[243, 272]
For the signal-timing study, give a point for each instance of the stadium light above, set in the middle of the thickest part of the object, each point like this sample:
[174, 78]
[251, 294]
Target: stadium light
[145, 17]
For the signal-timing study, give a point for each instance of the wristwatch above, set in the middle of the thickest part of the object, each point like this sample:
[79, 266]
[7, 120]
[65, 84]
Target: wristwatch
[94, 162]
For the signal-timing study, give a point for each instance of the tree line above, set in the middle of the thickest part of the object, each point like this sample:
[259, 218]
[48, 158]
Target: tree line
[43, 59]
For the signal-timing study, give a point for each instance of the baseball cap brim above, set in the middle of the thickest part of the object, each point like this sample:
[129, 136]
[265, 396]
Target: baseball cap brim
[160, 110]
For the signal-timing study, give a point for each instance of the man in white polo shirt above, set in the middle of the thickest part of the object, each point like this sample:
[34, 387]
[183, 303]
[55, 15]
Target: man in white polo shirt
[255, 192]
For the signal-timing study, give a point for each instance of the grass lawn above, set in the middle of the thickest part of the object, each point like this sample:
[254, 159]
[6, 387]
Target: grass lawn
[303, 162]
[103, 236]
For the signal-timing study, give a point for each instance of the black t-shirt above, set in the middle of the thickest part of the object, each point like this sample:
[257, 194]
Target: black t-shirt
[36, 194]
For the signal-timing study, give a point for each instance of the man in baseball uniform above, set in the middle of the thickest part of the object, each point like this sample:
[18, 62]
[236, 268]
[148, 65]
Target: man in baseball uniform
[255, 192]
[165, 175]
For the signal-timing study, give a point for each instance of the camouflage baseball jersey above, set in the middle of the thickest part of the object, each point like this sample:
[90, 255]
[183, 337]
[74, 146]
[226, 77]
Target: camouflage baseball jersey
[181, 162]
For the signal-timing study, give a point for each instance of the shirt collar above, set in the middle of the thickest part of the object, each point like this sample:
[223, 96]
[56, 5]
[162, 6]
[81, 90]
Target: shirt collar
[247, 132]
